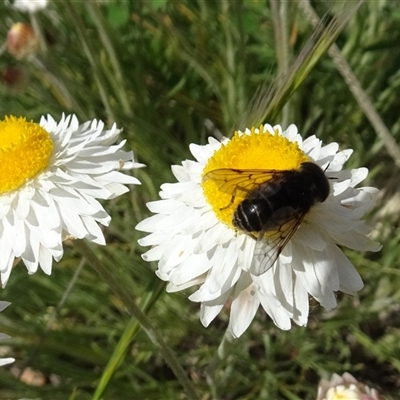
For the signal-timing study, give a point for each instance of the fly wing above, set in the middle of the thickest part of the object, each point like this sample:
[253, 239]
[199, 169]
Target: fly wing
[282, 224]
[239, 182]
[272, 242]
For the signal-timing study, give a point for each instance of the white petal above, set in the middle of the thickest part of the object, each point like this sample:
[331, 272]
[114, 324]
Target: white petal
[225, 271]
[179, 250]
[219, 234]
[278, 314]
[171, 288]
[95, 234]
[201, 153]
[310, 237]
[191, 268]
[154, 254]
[3, 306]
[350, 280]
[72, 223]
[5, 361]
[317, 273]
[244, 306]
[209, 310]
[301, 304]
[7, 261]
[180, 173]
[45, 260]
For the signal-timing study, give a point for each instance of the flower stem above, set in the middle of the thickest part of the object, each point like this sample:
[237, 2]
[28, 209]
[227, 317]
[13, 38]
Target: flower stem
[104, 36]
[88, 48]
[152, 333]
[154, 290]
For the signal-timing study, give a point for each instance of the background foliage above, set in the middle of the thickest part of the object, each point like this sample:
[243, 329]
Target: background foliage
[173, 73]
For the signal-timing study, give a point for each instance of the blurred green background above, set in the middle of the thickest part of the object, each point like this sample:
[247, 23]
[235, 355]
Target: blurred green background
[173, 73]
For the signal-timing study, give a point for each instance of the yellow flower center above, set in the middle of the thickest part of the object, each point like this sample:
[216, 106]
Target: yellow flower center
[342, 392]
[25, 150]
[258, 150]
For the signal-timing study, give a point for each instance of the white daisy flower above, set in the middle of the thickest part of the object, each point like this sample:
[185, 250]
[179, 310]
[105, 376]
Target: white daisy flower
[29, 5]
[345, 387]
[50, 177]
[8, 360]
[199, 239]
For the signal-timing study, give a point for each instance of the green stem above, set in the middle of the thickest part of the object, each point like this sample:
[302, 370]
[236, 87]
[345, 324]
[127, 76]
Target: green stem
[59, 89]
[38, 32]
[279, 11]
[156, 287]
[97, 75]
[152, 333]
[120, 85]
[53, 316]
[268, 102]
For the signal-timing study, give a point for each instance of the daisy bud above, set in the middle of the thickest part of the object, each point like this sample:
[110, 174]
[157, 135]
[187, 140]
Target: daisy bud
[22, 40]
[13, 77]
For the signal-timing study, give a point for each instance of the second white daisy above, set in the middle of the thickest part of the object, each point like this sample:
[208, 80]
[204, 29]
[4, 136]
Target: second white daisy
[50, 177]
[199, 239]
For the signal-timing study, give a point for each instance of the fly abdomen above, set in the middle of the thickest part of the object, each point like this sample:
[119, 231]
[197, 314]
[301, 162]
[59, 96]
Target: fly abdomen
[251, 214]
